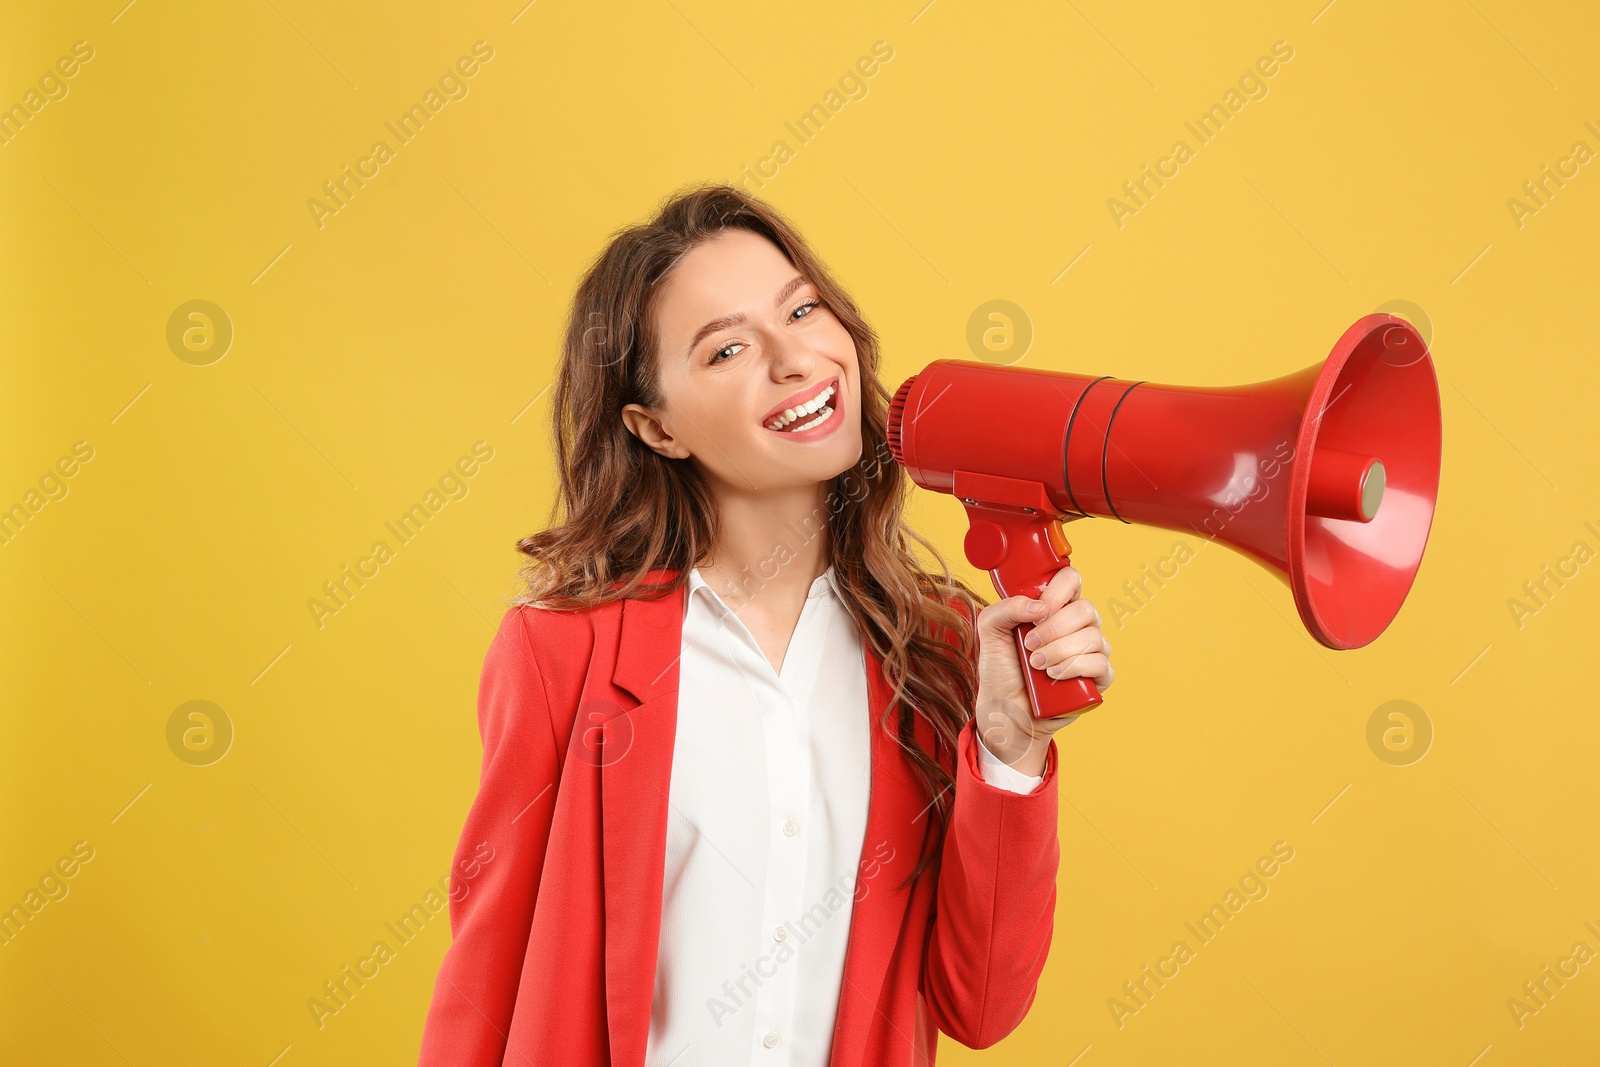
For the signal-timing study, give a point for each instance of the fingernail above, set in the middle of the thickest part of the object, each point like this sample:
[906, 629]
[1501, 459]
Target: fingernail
[1036, 607]
[1037, 659]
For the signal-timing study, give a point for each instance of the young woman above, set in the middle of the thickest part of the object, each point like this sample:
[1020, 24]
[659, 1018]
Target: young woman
[733, 807]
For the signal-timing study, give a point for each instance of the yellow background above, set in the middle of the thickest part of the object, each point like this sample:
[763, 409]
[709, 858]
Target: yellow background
[371, 353]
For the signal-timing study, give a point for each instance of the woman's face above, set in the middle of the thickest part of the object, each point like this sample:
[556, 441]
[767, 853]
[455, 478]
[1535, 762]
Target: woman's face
[743, 339]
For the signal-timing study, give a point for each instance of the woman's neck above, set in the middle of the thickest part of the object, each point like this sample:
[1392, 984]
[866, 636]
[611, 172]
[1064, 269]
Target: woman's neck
[773, 543]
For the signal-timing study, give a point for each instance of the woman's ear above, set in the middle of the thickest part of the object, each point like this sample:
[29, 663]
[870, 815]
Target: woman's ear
[647, 428]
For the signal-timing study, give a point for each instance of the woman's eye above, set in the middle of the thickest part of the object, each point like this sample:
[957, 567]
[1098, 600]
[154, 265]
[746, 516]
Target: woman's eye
[714, 360]
[718, 355]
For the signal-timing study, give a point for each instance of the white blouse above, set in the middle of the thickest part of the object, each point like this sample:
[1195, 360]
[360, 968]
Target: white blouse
[766, 818]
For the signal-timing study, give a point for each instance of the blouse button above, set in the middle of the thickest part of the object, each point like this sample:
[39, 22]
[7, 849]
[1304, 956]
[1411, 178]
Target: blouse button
[791, 828]
[771, 1040]
[781, 933]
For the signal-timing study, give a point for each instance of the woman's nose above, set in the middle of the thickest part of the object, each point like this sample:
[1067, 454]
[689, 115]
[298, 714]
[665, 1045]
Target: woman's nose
[789, 358]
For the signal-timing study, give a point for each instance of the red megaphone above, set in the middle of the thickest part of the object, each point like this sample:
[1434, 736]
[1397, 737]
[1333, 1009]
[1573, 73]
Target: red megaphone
[1328, 476]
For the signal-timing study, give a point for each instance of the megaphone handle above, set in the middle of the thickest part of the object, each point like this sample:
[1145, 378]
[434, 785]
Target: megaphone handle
[1049, 697]
[1022, 553]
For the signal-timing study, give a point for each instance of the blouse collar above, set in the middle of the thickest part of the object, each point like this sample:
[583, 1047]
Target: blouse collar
[826, 582]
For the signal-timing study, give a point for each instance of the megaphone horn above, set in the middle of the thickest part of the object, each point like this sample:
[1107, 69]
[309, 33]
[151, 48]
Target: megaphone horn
[1327, 476]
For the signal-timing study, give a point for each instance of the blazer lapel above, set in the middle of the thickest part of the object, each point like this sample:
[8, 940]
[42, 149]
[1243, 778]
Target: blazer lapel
[898, 811]
[635, 775]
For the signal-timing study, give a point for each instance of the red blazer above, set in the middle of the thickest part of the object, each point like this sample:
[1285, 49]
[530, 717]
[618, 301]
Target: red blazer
[555, 933]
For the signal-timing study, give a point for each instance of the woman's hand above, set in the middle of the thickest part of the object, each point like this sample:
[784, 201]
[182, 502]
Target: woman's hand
[1066, 641]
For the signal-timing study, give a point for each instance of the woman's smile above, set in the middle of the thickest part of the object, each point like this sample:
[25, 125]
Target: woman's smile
[808, 415]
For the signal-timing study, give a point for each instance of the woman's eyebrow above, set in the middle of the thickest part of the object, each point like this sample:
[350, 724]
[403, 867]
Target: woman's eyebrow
[738, 319]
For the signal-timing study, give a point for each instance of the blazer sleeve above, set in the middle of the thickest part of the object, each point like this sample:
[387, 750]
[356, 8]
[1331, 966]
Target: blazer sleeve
[492, 899]
[994, 906]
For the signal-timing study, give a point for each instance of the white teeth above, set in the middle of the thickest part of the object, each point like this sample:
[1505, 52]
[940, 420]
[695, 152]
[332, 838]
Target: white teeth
[827, 413]
[791, 414]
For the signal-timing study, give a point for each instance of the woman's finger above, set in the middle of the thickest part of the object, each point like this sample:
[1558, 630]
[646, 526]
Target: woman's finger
[1084, 642]
[1092, 665]
[1065, 586]
[1073, 617]
[1000, 618]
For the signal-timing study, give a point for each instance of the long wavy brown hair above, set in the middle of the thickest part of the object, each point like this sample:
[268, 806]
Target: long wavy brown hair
[623, 509]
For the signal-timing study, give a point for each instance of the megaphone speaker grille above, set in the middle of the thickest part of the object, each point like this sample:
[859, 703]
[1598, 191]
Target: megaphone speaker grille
[897, 411]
